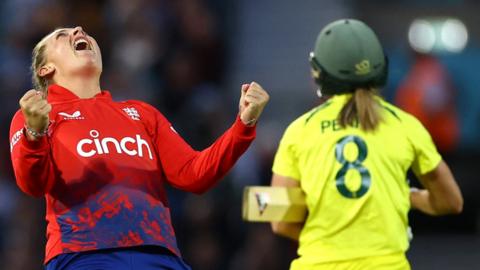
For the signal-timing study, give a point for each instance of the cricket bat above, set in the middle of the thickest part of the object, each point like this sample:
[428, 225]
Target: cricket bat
[266, 204]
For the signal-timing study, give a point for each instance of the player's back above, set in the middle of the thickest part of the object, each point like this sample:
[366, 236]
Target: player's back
[355, 181]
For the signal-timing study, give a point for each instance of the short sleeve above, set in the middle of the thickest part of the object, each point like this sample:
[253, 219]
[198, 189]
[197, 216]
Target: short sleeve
[286, 159]
[427, 157]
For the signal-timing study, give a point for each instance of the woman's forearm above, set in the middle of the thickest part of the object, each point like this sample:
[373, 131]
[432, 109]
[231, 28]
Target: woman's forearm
[442, 195]
[425, 201]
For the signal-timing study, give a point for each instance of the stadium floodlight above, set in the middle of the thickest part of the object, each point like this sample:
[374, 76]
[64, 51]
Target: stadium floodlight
[454, 35]
[437, 35]
[422, 36]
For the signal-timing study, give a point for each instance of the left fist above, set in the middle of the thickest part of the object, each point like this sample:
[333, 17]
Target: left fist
[252, 101]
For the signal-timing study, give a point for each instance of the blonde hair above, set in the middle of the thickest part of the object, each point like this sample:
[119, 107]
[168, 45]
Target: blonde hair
[39, 59]
[361, 108]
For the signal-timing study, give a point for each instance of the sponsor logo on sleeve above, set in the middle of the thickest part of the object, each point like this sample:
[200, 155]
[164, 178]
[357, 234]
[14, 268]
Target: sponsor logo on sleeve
[15, 138]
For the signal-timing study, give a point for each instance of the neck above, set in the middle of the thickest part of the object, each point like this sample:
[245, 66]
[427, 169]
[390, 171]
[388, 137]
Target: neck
[82, 87]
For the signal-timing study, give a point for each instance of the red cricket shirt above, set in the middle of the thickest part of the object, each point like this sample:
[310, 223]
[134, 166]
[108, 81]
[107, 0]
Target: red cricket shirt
[102, 168]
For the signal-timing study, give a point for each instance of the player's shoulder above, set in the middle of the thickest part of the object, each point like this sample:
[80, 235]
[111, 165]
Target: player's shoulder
[301, 122]
[17, 114]
[18, 117]
[141, 109]
[318, 111]
[137, 103]
[396, 112]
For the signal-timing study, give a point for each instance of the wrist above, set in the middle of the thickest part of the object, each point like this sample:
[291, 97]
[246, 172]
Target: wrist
[248, 123]
[243, 131]
[33, 134]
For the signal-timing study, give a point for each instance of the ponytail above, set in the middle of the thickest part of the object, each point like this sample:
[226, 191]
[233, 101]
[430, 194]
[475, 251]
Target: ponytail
[361, 108]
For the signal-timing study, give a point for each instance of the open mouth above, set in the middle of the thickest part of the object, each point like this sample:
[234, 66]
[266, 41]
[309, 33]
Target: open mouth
[81, 44]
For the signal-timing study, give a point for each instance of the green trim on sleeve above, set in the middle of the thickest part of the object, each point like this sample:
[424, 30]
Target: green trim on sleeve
[317, 109]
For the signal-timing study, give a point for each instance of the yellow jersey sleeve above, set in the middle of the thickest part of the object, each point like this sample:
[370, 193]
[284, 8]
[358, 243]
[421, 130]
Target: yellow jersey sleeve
[427, 157]
[286, 161]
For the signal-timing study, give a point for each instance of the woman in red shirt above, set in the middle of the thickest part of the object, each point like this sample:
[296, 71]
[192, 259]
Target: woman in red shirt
[101, 164]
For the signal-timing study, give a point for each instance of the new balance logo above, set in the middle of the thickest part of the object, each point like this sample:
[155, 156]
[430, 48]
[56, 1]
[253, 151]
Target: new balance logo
[77, 115]
[132, 112]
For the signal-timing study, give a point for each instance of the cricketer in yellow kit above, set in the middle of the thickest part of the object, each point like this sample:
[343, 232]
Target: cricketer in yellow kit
[350, 156]
[355, 182]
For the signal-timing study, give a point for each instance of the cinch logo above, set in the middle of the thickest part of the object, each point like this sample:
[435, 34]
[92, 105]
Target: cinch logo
[99, 146]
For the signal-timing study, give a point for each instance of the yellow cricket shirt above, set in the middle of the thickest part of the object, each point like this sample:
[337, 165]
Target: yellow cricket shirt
[355, 182]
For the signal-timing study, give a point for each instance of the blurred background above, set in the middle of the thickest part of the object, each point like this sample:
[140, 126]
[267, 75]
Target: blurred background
[189, 58]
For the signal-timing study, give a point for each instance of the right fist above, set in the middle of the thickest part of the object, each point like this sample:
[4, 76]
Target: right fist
[35, 109]
[253, 99]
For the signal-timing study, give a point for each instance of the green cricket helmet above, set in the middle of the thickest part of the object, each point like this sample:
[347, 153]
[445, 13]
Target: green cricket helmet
[348, 55]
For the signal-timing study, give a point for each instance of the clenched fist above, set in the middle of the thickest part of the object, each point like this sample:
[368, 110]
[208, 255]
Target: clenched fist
[252, 101]
[35, 109]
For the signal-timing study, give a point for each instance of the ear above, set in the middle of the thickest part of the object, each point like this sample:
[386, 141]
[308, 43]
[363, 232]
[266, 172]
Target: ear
[46, 70]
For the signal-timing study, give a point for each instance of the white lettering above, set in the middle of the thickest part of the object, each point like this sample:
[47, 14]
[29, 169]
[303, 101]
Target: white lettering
[110, 140]
[123, 144]
[140, 144]
[80, 150]
[94, 133]
[15, 138]
[98, 145]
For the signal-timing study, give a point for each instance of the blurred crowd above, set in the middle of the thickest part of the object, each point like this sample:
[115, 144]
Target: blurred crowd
[175, 55]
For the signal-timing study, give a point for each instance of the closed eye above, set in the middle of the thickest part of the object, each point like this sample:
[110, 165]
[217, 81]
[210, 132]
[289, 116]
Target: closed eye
[61, 34]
